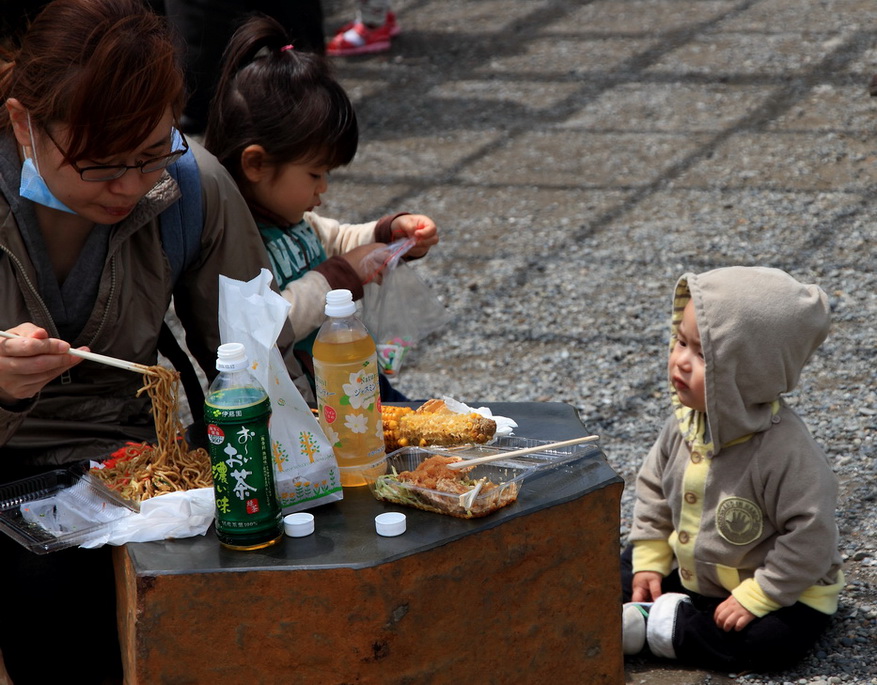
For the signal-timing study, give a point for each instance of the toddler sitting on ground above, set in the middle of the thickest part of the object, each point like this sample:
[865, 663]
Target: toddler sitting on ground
[734, 563]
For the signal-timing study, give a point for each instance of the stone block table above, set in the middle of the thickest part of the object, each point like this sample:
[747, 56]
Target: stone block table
[529, 594]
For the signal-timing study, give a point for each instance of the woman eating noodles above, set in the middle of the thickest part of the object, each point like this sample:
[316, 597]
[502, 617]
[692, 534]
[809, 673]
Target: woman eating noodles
[88, 136]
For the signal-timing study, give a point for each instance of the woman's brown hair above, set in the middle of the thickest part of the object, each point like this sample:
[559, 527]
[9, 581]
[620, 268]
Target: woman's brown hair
[107, 69]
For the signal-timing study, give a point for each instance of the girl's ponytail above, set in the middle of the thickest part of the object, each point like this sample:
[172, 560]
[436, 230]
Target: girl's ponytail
[279, 98]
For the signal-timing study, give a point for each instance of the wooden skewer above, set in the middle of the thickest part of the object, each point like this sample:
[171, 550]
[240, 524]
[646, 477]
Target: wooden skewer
[518, 453]
[100, 358]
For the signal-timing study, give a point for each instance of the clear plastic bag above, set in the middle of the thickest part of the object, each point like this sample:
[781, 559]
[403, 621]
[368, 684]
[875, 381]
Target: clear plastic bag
[398, 307]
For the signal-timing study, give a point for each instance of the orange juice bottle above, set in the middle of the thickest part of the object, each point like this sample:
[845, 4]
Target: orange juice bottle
[348, 393]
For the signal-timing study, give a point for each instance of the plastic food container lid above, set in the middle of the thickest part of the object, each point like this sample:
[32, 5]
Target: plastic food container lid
[390, 524]
[59, 509]
[298, 525]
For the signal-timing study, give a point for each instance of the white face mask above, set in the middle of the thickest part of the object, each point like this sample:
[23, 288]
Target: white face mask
[33, 186]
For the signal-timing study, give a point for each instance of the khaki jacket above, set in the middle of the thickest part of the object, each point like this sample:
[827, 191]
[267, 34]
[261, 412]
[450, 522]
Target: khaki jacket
[742, 499]
[93, 409]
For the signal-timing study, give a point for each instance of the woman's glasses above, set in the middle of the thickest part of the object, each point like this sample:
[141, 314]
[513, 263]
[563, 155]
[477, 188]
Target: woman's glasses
[110, 172]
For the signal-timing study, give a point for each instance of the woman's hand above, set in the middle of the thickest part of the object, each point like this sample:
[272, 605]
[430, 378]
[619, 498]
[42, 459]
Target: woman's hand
[646, 586]
[731, 615]
[29, 362]
[416, 226]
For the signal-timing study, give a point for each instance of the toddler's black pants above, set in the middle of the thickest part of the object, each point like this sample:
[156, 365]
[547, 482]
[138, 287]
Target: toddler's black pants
[771, 643]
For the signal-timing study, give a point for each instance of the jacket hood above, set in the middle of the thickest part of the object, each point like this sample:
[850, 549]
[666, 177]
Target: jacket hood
[758, 328]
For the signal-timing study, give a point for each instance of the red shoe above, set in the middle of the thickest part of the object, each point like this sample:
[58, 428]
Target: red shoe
[390, 23]
[356, 38]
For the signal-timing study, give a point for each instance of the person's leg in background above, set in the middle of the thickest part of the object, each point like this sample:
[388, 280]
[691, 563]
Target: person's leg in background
[205, 27]
[303, 19]
[59, 614]
[58, 620]
[372, 30]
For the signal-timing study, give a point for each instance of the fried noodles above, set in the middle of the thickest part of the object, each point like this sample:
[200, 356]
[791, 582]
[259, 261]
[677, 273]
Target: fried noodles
[139, 471]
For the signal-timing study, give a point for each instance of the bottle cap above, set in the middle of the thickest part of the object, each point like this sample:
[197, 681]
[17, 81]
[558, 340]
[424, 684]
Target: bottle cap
[340, 303]
[390, 524]
[298, 525]
[231, 357]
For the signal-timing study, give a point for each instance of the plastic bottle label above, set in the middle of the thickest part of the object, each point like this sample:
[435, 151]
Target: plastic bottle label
[348, 399]
[243, 474]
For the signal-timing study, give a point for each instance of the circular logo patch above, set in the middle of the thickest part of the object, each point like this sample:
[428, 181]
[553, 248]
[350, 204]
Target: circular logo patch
[739, 521]
[215, 434]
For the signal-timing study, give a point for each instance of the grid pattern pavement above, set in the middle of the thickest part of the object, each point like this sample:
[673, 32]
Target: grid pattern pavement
[580, 155]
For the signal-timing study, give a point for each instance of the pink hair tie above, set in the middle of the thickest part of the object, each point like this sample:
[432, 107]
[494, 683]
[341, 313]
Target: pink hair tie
[286, 47]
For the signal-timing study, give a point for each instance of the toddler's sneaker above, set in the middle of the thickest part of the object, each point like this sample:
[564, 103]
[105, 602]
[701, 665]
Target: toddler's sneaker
[652, 623]
[356, 38]
[663, 617]
[634, 619]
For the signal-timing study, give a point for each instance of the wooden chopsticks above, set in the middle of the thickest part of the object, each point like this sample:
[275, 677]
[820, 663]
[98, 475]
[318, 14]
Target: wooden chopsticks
[100, 358]
[465, 463]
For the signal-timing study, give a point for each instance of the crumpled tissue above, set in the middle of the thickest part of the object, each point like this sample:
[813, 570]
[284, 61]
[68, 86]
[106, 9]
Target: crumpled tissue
[173, 515]
[504, 425]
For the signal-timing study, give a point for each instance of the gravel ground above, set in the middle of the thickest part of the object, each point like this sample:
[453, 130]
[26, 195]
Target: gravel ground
[580, 156]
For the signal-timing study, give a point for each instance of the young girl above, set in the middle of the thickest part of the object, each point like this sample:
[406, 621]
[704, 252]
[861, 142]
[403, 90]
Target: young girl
[280, 123]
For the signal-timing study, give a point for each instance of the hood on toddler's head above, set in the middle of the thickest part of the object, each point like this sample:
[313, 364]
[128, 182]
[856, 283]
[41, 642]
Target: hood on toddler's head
[758, 327]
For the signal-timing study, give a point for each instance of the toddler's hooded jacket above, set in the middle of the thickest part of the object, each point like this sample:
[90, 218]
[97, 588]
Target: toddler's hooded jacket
[741, 498]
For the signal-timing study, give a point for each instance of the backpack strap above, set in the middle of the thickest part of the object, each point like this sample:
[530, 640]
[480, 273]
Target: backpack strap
[181, 227]
[183, 221]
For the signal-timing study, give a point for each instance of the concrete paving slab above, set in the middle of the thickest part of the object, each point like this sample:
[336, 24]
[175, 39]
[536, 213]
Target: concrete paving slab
[590, 151]
[671, 107]
[641, 17]
[791, 161]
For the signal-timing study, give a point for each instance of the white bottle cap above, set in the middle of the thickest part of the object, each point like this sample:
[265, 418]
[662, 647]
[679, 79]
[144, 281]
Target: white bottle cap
[231, 357]
[340, 303]
[298, 525]
[390, 524]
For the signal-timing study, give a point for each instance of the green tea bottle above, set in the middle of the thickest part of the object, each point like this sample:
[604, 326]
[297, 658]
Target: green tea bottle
[236, 411]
